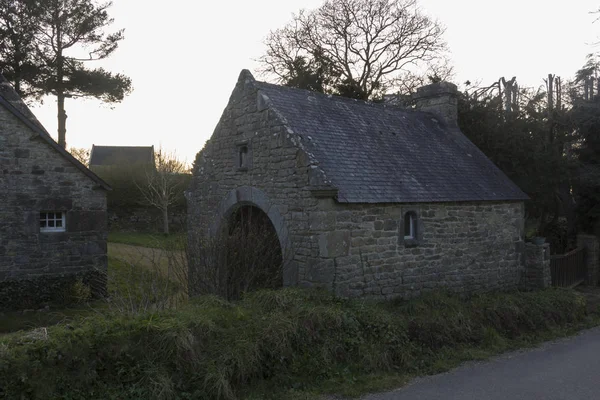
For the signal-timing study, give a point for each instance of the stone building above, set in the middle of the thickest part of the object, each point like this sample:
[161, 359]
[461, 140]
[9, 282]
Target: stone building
[366, 199]
[53, 224]
[121, 157]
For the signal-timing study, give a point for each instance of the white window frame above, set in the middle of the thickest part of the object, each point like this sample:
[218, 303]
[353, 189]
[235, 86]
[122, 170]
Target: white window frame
[411, 219]
[44, 216]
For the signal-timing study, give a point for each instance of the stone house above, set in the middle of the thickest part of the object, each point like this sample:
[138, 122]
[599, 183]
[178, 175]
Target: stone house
[366, 199]
[53, 224]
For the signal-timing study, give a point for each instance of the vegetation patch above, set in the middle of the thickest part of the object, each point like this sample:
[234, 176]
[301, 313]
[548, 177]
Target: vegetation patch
[138, 279]
[288, 343]
[150, 240]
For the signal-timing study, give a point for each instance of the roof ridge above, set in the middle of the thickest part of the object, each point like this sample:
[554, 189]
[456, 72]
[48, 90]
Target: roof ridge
[337, 97]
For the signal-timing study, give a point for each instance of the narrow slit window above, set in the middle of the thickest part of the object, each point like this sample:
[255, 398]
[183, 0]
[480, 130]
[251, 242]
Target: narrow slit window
[52, 221]
[410, 226]
[243, 157]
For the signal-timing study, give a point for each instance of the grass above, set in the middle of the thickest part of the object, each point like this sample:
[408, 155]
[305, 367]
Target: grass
[137, 276]
[293, 344]
[149, 240]
[12, 321]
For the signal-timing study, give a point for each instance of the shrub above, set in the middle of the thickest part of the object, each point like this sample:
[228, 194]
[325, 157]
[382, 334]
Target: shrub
[214, 349]
[78, 292]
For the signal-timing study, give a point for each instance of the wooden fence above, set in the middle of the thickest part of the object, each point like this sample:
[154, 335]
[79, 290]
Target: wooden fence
[568, 270]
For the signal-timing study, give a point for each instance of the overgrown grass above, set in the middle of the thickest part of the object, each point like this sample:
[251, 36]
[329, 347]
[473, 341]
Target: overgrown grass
[291, 343]
[151, 240]
[12, 321]
[137, 279]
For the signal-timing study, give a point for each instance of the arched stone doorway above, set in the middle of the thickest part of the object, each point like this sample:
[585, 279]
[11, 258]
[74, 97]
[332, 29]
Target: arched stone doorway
[252, 204]
[253, 254]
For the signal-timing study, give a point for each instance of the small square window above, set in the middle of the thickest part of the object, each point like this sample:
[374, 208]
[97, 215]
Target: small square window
[52, 221]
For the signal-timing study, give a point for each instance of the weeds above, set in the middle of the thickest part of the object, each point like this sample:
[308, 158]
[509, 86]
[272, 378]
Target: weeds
[283, 342]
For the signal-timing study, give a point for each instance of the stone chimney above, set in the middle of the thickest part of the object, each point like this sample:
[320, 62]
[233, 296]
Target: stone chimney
[439, 99]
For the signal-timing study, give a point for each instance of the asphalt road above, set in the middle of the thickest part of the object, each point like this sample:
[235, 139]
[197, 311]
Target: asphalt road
[566, 369]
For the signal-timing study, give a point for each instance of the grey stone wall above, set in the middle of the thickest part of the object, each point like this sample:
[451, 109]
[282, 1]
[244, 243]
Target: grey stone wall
[536, 272]
[464, 247]
[278, 168]
[34, 178]
[352, 249]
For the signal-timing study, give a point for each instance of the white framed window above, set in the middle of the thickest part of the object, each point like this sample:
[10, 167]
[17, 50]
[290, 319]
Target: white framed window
[410, 226]
[52, 221]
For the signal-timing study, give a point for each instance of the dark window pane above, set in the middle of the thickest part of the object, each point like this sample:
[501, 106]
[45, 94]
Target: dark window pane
[51, 223]
[243, 156]
[43, 223]
[50, 215]
[58, 215]
[59, 223]
[407, 218]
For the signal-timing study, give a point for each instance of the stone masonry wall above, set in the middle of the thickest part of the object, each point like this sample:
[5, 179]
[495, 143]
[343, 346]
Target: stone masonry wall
[353, 249]
[464, 247]
[536, 272]
[34, 178]
[278, 168]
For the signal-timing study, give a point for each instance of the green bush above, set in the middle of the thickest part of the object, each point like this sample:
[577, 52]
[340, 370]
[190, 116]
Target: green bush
[291, 338]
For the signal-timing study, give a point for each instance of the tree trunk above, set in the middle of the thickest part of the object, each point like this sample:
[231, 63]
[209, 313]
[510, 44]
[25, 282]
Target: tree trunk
[60, 92]
[62, 120]
[165, 220]
[550, 93]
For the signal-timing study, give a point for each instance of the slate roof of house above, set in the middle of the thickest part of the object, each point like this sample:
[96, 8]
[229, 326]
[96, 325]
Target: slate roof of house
[13, 102]
[376, 153]
[121, 155]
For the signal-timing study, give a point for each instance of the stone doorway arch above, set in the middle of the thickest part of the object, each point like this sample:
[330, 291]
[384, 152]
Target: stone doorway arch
[250, 198]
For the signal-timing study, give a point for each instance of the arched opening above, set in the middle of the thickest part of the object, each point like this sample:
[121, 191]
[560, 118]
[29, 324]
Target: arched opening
[253, 253]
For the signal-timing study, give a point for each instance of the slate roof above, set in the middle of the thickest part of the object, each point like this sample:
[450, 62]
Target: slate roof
[13, 103]
[377, 153]
[121, 155]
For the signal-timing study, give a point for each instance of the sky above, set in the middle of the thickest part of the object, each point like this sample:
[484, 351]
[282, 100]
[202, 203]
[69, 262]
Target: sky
[184, 59]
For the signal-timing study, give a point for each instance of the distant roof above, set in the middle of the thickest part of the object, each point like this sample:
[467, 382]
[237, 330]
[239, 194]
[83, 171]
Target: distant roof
[13, 103]
[121, 155]
[377, 153]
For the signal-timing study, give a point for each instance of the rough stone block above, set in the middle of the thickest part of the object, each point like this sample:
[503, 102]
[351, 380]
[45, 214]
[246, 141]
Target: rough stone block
[334, 244]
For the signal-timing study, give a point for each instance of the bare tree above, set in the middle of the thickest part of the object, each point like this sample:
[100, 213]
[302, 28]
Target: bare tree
[364, 44]
[164, 185]
[82, 155]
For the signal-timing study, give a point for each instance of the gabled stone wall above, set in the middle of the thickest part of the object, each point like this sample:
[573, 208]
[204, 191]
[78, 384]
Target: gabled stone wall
[352, 249]
[36, 267]
[279, 169]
